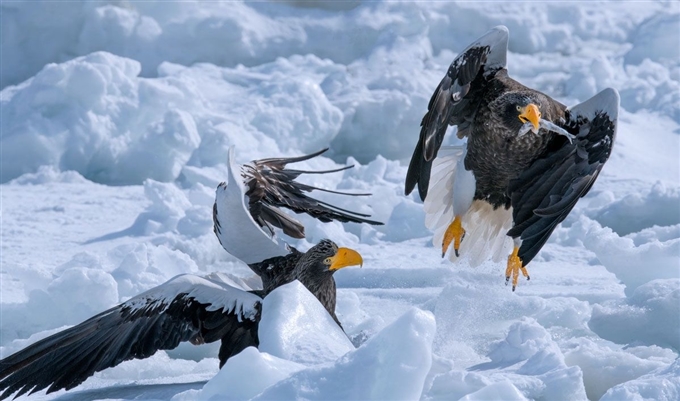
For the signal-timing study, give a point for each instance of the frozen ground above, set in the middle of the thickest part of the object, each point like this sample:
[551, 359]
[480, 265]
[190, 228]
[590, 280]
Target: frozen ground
[116, 119]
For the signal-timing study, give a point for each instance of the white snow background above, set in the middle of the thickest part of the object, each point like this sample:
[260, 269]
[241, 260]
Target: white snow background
[116, 120]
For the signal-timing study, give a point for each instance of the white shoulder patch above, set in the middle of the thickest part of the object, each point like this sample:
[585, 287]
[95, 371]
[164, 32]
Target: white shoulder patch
[217, 295]
[239, 234]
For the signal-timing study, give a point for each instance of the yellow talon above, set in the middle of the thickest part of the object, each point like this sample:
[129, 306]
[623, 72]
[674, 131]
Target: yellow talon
[455, 233]
[514, 267]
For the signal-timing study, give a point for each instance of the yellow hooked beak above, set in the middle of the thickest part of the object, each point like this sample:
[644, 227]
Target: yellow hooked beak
[345, 257]
[530, 113]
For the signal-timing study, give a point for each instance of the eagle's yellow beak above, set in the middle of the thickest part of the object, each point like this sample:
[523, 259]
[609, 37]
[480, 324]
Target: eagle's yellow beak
[532, 114]
[345, 257]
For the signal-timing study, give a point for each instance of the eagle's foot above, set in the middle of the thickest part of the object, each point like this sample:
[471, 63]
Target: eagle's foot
[513, 269]
[454, 233]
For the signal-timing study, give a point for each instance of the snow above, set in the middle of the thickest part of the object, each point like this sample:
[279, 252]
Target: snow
[392, 365]
[245, 376]
[296, 327]
[662, 384]
[604, 365]
[116, 121]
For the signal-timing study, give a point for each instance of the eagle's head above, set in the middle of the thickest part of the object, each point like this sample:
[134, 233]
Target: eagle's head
[324, 259]
[517, 109]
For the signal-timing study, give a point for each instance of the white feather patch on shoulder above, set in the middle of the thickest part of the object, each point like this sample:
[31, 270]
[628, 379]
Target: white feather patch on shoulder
[217, 295]
[239, 234]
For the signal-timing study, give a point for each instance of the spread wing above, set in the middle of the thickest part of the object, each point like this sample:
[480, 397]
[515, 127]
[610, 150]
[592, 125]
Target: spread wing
[455, 101]
[246, 208]
[271, 186]
[186, 308]
[543, 195]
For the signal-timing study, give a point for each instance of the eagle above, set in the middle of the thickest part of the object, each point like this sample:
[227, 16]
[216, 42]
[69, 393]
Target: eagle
[202, 309]
[526, 160]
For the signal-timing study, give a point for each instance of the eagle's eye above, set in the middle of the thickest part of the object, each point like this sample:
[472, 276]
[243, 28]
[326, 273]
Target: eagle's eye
[327, 261]
[519, 108]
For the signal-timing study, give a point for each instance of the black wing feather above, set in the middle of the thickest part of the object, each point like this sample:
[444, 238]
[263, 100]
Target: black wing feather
[455, 102]
[544, 194]
[136, 329]
[271, 186]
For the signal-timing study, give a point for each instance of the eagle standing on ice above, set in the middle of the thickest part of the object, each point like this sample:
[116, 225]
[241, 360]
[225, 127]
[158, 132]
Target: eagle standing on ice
[527, 160]
[202, 309]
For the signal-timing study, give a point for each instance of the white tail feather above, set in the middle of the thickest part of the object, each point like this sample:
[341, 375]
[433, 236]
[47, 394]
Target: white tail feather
[485, 235]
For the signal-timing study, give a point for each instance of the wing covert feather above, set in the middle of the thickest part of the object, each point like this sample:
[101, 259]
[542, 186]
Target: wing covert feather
[455, 101]
[544, 194]
[186, 308]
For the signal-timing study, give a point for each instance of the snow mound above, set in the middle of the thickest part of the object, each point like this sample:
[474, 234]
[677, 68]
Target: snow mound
[526, 342]
[296, 327]
[656, 38]
[46, 174]
[623, 257]
[226, 34]
[95, 116]
[145, 266]
[635, 212]
[168, 207]
[528, 356]
[537, 363]
[67, 299]
[651, 315]
[660, 385]
[406, 221]
[246, 375]
[503, 390]
[392, 365]
[605, 366]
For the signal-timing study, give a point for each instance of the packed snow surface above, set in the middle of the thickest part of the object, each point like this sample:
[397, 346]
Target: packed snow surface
[117, 117]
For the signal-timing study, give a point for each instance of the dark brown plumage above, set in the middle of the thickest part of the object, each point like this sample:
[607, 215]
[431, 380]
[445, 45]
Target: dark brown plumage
[309, 268]
[527, 152]
[495, 153]
[186, 308]
[271, 186]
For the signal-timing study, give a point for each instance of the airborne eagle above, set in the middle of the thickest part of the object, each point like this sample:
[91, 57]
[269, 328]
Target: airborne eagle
[201, 309]
[526, 162]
